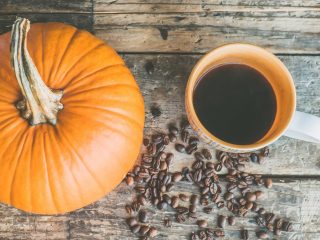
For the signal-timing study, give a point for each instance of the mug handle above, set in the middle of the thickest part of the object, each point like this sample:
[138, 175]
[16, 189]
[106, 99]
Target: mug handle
[304, 127]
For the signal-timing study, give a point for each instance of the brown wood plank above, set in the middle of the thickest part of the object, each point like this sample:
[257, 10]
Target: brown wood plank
[82, 21]
[165, 87]
[295, 200]
[45, 6]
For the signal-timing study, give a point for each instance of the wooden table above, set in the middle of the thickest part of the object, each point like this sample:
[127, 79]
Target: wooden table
[161, 40]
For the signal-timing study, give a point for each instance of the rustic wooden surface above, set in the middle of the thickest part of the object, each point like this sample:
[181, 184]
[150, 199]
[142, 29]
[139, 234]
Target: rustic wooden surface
[171, 35]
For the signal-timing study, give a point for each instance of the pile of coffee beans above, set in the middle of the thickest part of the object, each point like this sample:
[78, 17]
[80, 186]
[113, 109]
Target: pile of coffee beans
[153, 182]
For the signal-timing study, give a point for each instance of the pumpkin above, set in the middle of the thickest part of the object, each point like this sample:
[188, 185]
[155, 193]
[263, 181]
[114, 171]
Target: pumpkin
[71, 121]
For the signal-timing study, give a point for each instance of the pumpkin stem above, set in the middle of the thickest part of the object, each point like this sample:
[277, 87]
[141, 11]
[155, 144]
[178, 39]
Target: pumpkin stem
[40, 104]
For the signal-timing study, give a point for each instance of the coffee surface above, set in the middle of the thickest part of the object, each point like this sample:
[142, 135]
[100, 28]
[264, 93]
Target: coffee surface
[235, 103]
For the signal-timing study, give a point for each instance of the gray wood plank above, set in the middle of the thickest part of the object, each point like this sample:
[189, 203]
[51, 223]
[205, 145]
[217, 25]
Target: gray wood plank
[165, 6]
[165, 87]
[82, 21]
[280, 31]
[295, 200]
[45, 6]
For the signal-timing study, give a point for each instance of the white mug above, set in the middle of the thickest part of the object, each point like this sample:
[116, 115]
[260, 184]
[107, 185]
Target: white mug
[288, 121]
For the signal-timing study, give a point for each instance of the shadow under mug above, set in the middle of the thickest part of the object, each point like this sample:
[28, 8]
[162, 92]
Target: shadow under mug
[287, 121]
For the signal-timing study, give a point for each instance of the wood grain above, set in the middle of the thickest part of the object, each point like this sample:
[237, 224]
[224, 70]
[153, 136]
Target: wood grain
[165, 87]
[45, 6]
[82, 21]
[105, 218]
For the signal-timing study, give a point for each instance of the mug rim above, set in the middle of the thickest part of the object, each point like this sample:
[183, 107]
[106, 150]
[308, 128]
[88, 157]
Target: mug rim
[191, 110]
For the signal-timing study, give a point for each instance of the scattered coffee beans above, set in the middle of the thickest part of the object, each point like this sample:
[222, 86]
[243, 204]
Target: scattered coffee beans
[153, 182]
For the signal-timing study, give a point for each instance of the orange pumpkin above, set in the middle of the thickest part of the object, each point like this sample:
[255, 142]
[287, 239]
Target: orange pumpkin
[55, 160]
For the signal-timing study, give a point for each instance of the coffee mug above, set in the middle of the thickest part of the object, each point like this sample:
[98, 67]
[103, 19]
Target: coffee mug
[288, 121]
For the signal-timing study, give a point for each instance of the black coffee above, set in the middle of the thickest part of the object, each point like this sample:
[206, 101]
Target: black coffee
[235, 103]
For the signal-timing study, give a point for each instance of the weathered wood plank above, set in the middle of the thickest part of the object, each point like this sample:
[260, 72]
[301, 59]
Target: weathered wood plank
[82, 21]
[45, 6]
[281, 32]
[157, 6]
[295, 200]
[105, 219]
[165, 87]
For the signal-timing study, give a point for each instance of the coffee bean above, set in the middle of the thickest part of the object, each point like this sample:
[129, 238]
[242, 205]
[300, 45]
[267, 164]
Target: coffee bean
[169, 159]
[219, 233]
[269, 226]
[250, 197]
[242, 184]
[204, 200]
[135, 206]
[152, 232]
[157, 138]
[144, 229]
[166, 140]
[193, 140]
[176, 177]
[184, 124]
[208, 210]
[259, 194]
[192, 215]
[204, 190]
[269, 217]
[240, 167]
[184, 197]
[169, 187]
[261, 211]
[265, 152]
[191, 148]
[128, 209]
[172, 137]
[192, 208]
[255, 207]
[167, 222]
[197, 164]
[146, 142]
[260, 221]
[185, 136]
[202, 223]
[228, 196]
[202, 235]
[132, 221]
[174, 130]
[193, 236]
[278, 223]
[243, 211]
[249, 205]
[162, 205]
[262, 234]
[155, 111]
[244, 234]
[180, 148]
[218, 167]
[287, 226]
[222, 221]
[254, 157]
[180, 218]
[174, 202]
[268, 182]
[197, 176]
[206, 153]
[276, 232]
[231, 220]
[142, 200]
[182, 210]
[135, 228]
[199, 156]
[130, 180]
[163, 165]
[220, 204]
[143, 217]
[194, 199]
